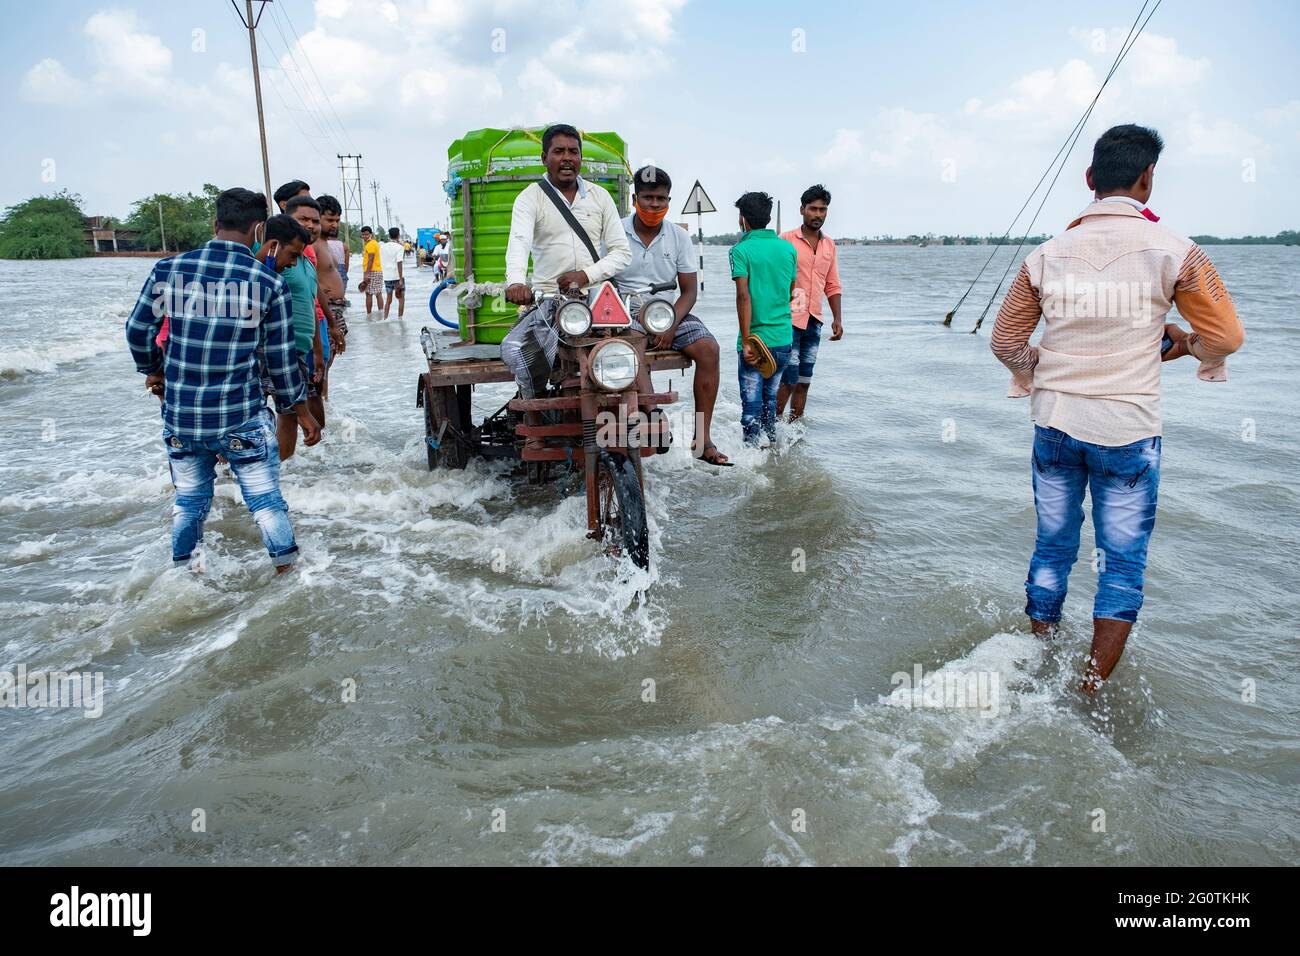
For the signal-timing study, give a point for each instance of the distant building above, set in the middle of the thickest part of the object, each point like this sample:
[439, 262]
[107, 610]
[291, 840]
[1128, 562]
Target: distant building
[105, 238]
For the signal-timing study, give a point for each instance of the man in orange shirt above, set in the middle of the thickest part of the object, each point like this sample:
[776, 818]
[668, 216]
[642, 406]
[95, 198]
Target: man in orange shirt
[817, 274]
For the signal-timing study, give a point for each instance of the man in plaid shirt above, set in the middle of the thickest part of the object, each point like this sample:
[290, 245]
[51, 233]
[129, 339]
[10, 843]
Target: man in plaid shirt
[228, 314]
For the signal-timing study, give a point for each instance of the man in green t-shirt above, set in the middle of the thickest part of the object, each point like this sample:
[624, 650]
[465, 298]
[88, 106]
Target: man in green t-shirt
[763, 267]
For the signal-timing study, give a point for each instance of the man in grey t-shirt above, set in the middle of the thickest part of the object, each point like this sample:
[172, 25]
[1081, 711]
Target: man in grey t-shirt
[662, 252]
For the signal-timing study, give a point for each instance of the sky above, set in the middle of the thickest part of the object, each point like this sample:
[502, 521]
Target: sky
[925, 116]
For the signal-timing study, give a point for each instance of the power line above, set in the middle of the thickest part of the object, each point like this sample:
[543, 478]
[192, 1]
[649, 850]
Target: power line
[316, 93]
[311, 92]
[1124, 51]
[320, 85]
[325, 134]
[1070, 139]
[280, 96]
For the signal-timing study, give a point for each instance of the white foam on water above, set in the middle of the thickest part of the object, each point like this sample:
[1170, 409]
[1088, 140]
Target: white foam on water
[527, 546]
[946, 730]
[48, 356]
[575, 842]
[881, 753]
[978, 684]
[33, 549]
[98, 487]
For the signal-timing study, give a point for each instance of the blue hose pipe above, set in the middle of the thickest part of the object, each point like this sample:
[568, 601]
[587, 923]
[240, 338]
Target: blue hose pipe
[433, 304]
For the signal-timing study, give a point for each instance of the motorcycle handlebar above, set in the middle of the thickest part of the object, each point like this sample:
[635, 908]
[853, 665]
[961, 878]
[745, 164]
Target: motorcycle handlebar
[535, 297]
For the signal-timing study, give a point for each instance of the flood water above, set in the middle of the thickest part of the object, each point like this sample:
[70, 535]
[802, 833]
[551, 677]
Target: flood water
[519, 698]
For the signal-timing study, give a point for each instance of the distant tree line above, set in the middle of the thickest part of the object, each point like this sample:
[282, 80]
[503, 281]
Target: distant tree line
[1287, 237]
[44, 227]
[731, 238]
[54, 227]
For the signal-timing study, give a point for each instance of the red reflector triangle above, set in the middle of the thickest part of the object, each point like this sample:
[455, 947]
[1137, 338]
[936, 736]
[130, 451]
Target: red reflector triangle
[607, 309]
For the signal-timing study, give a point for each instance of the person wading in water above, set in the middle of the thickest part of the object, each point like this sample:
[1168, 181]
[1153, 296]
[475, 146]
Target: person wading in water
[1102, 289]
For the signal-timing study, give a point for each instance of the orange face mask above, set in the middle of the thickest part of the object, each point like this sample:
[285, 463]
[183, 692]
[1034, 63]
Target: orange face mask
[651, 217]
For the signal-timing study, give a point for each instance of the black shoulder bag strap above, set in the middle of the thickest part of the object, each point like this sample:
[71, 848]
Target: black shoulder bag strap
[567, 213]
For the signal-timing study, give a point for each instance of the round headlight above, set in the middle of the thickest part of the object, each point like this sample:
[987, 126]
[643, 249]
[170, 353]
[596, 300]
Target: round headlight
[614, 365]
[658, 315]
[574, 318]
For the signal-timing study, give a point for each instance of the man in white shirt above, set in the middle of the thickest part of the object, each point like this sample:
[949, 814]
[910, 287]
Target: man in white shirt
[441, 259]
[561, 260]
[391, 254]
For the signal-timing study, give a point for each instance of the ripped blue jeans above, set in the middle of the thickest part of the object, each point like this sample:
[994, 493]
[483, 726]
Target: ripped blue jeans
[758, 396]
[1123, 480]
[254, 456]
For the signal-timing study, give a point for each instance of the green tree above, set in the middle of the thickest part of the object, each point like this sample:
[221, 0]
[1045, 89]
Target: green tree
[44, 227]
[186, 219]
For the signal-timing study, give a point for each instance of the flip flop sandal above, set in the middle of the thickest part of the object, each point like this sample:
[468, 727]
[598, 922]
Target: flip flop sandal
[766, 364]
[714, 462]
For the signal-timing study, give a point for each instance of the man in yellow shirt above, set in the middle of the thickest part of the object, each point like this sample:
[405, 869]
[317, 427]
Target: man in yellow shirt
[373, 282]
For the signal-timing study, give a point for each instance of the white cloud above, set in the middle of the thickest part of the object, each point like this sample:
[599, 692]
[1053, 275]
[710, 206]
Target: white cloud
[551, 97]
[1287, 115]
[49, 83]
[127, 62]
[646, 21]
[845, 150]
[1153, 60]
[127, 57]
[1069, 88]
[1204, 138]
[332, 9]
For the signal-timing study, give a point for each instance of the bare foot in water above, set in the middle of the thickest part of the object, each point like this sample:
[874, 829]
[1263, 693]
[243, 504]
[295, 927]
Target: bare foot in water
[1108, 639]
[1045, 629]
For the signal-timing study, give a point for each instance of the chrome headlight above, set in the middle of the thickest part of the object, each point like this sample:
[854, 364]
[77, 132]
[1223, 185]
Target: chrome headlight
[657, 316]
[574, 318]
[614, 365]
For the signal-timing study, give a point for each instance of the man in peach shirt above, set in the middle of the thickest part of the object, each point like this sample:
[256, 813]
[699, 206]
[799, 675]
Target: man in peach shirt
[817, 274]
[1102, 289]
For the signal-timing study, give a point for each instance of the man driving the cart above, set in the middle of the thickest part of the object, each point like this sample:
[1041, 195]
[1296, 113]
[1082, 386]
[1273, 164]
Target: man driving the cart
[563, 221]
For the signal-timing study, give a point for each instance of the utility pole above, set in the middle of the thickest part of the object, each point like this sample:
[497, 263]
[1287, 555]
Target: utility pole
[388, 212]
[343, 176]
[353, 193]
[160, 226]
[251, 23]
[374, 185]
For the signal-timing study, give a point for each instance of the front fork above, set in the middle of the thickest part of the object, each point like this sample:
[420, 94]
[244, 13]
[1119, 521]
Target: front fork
[628, 402]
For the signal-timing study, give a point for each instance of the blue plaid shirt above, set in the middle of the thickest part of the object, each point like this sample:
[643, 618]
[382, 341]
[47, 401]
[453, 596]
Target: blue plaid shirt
[230, 316]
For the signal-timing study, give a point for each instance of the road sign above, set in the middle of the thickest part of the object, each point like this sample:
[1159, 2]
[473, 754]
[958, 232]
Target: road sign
[698, 201]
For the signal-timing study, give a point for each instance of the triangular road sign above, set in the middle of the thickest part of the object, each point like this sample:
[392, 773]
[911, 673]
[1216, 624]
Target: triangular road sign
[698, 201]
[607, 308]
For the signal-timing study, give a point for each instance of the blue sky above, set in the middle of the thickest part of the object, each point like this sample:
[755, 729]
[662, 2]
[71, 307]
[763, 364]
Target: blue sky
[923, 116]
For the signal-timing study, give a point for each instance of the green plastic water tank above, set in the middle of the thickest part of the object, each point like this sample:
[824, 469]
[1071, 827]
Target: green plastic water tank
[496, 165]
